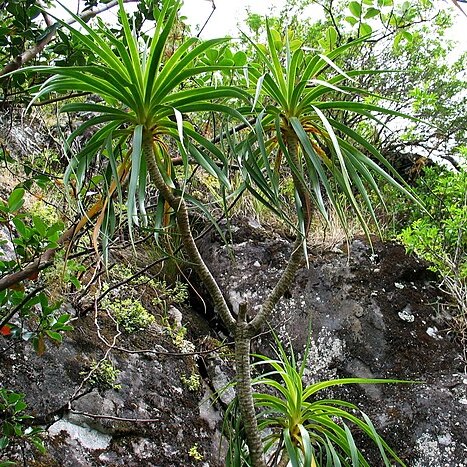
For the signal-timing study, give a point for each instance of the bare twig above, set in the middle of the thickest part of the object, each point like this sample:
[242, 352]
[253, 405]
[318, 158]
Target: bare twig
[174, 354]
[59, 99]
[110, 347]
[112, 417]
[209, 17]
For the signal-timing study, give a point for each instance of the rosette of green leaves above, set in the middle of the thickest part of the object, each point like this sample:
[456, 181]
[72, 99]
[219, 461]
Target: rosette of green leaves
[146, 89]
[299, 426]
[300, 97]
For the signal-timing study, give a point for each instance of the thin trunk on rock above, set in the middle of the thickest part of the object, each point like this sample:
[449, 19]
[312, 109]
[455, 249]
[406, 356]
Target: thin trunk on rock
[244, 388]
[297, 254]
[179, 206]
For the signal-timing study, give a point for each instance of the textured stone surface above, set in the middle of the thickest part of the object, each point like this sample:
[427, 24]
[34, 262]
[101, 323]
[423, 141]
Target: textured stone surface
[154, 419]
[357, 304]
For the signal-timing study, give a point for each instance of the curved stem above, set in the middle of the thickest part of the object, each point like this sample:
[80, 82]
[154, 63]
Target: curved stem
[281, 287]
[298, 254]
[183, 222]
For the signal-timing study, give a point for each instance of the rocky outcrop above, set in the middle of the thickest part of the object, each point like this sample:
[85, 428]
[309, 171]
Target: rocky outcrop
[373, 313]
[152, 419]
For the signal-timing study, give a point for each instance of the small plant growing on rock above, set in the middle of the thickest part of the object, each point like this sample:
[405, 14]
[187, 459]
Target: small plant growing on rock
[177, 334]
[169, 295]
[47, 213]
[103, 375]
[194, 453]
[63, 273]
[192, 382]
[130, 314]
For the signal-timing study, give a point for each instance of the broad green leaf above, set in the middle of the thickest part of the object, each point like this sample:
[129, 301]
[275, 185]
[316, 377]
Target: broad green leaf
[4, 441]
[240, 58]
[351, 20]
[355, 8]
[212, 55]
[331, 37]
[276, 36]
[371, 13]
[16, 199]
[21, 228]
[365, 29]
[55, 336]
[407, 35]
[295, 44]
[40, 225]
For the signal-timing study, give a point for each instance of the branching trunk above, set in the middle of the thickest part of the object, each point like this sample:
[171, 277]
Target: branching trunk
[242, 330]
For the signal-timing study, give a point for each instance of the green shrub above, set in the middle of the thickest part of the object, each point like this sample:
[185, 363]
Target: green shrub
[164, 294]
[130, 314]
[439, 234]
[14, 424]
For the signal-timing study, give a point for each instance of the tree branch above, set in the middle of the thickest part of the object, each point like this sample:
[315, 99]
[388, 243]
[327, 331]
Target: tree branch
[44, 261]
[31, 53]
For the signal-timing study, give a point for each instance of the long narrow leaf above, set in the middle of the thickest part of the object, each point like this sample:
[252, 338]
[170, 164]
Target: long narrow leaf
[134, 177]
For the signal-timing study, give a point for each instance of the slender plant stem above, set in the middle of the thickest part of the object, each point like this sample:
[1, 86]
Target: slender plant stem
[244, 388]
[179, 206]
[297, 255]
[281, 287]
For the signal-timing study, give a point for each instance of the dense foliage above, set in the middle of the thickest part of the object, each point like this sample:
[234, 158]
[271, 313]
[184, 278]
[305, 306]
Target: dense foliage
[411, 40]
[439, 234]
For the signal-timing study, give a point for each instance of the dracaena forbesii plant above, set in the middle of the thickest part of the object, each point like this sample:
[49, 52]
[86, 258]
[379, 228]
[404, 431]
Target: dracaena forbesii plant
[139, 127]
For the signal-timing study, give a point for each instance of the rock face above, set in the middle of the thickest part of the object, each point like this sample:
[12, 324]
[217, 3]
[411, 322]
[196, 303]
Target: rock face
[372, 314]
[154, 419]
